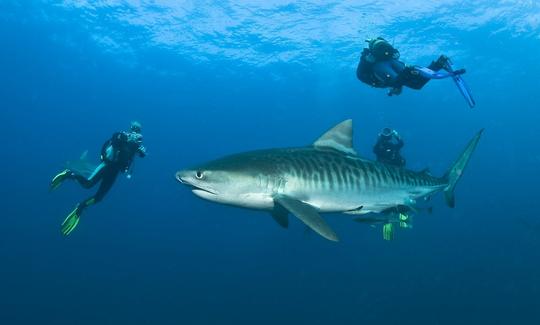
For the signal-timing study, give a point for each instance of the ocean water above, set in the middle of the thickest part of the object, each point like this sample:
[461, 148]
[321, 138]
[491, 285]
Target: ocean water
[210, 78]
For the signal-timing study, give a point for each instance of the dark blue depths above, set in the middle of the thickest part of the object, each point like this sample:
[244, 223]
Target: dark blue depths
[152, 253]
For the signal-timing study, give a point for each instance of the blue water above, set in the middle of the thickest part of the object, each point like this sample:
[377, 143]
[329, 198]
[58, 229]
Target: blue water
[212, 78]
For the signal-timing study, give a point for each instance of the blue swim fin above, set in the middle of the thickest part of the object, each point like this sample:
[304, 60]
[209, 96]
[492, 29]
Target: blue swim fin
[460, 83]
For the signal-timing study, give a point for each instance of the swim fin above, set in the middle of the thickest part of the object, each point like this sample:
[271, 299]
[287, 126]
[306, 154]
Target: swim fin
[388, 231]
[70, 222]
[460, 83]
[59, 178]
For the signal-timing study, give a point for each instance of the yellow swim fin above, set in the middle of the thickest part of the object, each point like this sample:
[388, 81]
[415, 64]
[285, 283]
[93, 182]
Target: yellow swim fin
[388, 231]
[70, 222]
[58, 179]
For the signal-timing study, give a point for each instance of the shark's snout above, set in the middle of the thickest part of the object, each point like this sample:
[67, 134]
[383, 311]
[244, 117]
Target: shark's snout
[180, 177]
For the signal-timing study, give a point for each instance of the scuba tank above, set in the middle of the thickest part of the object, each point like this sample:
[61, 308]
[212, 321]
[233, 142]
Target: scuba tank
[108, 154]
[120, 150]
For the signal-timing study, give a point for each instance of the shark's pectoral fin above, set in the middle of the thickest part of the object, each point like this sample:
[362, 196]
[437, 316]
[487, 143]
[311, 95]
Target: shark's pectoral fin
[281, 216]
[308, 215]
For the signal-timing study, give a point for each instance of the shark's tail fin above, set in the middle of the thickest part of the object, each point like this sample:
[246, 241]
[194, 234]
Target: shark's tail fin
[455, 172]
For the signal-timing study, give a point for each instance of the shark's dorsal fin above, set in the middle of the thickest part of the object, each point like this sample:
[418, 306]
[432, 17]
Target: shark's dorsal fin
[339, 138]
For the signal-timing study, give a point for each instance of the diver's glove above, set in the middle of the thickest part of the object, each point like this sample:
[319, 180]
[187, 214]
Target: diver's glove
[142, 151]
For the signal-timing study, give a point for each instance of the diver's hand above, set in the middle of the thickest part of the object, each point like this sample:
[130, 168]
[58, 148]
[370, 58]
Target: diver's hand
[142, 151]
[394, 91]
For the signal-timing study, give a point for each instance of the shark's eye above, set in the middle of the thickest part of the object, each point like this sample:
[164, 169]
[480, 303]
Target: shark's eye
[199, 174]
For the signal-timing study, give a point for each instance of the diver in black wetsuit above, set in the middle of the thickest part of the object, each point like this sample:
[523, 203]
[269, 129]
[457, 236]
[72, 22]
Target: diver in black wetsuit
[388, 146]
[380, 67]
[117, 155]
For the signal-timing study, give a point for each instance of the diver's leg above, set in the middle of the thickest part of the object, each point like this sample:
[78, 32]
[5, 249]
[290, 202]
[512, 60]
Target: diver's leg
[439, 64]
[93, 179]
[108, 175]
[413, 79]
[85, 182]
[430, 74]
[417, 77]
[72, 220]
[409, 78]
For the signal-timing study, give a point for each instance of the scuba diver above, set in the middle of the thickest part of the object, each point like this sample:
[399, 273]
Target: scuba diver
[117, 155]
[380, 67]
[394, 217]
[387, 148]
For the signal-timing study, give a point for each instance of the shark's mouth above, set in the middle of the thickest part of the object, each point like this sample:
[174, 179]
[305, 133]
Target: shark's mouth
[202, 192]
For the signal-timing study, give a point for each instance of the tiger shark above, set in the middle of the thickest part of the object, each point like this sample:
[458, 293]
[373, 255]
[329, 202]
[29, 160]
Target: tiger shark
[327, 176]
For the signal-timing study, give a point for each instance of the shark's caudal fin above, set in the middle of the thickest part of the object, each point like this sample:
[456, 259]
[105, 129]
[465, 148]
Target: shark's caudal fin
[338, 138]
[456, 171]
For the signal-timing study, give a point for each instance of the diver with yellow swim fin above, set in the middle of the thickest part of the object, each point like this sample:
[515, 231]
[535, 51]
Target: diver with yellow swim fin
[117, 155]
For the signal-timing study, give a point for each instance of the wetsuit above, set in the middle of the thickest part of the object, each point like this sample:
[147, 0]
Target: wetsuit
[392, 73]
[387, 150]
[117, 154]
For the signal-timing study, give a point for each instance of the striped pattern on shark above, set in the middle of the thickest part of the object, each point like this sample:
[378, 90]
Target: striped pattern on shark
[325, 177]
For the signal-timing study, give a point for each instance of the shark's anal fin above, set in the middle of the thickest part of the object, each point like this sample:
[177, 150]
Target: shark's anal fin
[281, 216]
[308, 215]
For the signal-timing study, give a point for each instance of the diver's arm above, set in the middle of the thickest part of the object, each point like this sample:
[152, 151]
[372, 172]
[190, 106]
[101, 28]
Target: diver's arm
[399, 142]
[378, 148]
[363, 70]
[141, 151]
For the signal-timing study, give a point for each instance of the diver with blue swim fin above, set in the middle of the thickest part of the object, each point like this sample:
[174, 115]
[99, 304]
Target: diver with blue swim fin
[380, 67]
[460, 83]
[117, 155]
